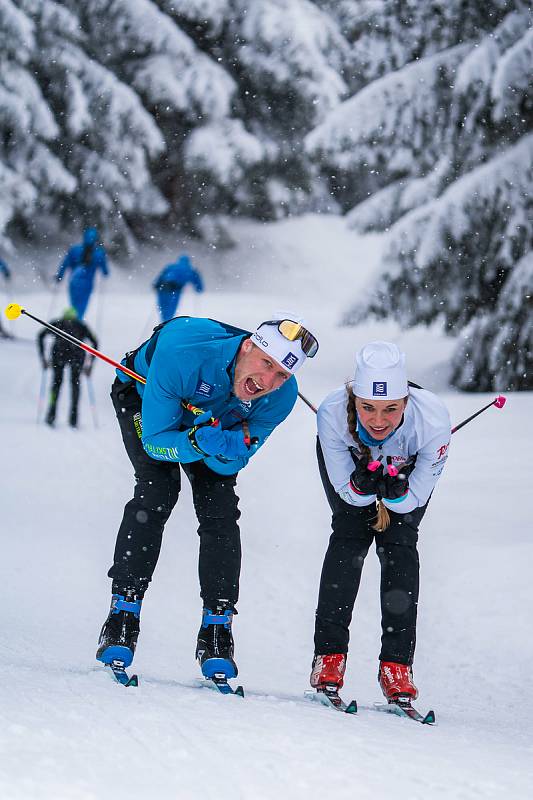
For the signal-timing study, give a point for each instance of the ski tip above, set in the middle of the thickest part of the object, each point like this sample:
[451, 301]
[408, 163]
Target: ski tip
[429, 719]
[239, 691]
[351, 708]
[133, 681]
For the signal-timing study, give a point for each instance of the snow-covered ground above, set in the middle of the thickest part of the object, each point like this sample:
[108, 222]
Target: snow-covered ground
[69, 733]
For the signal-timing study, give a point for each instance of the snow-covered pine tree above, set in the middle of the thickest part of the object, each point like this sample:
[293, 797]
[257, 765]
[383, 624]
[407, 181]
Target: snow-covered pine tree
[105, 134]
[176, 107]
[32, 177]
[463, 202]
[285, 58]
[495, 350]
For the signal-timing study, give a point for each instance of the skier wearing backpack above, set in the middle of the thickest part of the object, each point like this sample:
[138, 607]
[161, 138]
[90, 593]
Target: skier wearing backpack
[64, 354]
[83, 260]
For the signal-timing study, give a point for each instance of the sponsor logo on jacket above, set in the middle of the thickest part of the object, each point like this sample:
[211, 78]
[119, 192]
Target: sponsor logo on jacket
[204, 388]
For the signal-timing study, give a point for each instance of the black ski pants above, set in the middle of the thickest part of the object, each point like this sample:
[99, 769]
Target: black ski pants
[58, 368]
[157, 486]
[341, 575]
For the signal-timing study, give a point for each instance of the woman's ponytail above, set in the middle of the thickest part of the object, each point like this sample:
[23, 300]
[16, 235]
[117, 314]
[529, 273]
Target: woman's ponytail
[382, 519]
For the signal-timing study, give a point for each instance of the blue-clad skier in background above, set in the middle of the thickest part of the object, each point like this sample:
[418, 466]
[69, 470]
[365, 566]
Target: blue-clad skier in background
[246, 381]
[170, 282]
[84, 260]
[6, 272]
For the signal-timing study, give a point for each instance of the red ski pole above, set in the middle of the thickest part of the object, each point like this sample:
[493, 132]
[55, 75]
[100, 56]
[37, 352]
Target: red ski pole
[13, 311]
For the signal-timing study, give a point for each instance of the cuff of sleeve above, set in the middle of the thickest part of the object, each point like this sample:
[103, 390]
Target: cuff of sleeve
[357, 491]
[402, 505]
[396, 499]
[354, 499]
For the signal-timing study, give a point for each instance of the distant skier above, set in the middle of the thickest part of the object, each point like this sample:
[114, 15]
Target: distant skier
[6, 273]
[378, 420]
[170, 283]
[246, 381]
[64, 354]
[84, 260]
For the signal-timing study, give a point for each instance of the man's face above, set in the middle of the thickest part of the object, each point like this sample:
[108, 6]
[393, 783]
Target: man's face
[256, 374]
[380, 417]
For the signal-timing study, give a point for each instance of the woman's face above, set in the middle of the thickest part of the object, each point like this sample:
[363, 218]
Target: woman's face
[380, 417]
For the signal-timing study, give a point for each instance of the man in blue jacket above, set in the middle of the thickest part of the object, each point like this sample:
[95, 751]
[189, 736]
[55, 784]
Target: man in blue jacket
[245, 384]
[84, 260]
[170, 283]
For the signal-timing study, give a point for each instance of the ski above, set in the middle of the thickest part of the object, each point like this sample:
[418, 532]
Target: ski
[330, 698]
[220, 684]
[120, 674]
[403, 708]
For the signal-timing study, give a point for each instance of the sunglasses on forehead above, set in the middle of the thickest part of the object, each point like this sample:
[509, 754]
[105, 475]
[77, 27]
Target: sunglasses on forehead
[293, 331]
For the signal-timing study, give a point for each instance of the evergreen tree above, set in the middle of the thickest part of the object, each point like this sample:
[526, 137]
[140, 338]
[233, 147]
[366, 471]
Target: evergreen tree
[447, 140]
[33, 179]
[167, 108]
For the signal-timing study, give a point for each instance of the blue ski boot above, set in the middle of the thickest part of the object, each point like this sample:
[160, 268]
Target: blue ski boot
[118, 638]
[214, 648]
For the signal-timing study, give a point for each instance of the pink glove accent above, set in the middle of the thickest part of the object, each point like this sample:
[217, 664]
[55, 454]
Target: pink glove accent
[500, 401]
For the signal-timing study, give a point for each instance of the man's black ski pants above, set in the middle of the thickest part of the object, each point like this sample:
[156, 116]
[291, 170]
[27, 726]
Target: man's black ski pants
[157, 486]
[341, 575]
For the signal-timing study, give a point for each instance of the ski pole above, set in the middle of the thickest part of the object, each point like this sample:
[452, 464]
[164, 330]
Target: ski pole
[307, 402]
[92, 400]
[13, 311]
[100, 303]
[42, 391]
[53, 293]
[499, 402]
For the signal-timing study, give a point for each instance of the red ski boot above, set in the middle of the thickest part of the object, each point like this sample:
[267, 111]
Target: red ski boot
[396, 681]
[328, 672]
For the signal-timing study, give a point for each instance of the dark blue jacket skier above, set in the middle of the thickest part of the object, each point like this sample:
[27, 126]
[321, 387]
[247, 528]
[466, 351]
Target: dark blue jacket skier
[4, 269]
[84, 260]
[6, 272]
[170, 282]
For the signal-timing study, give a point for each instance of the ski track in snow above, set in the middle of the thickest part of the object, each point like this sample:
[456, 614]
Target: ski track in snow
[70, 733]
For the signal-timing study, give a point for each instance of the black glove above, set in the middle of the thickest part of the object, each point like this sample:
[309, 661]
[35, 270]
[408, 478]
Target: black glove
[364, 480]
[394, 486]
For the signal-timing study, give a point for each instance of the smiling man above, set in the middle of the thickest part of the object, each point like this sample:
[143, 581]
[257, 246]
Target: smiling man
[213, 395]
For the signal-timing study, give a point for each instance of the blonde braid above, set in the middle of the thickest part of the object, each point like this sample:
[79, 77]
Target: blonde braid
[382, 519]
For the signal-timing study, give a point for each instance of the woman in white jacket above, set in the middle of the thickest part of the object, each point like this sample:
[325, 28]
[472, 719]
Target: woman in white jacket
[382, 445]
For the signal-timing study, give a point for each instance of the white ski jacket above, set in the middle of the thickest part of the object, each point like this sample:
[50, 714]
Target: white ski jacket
[424, 433]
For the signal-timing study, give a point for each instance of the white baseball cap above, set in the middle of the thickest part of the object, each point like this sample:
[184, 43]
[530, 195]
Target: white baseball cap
[380, 372]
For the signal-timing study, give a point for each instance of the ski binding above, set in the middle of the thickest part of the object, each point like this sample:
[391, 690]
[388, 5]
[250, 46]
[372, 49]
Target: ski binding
[219, 682]
[403, 708]
[329, 696]
[121, 676]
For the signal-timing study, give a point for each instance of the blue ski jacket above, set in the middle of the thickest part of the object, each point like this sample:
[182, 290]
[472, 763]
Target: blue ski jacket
[193, 360]
[175, 276]
[84, 260]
